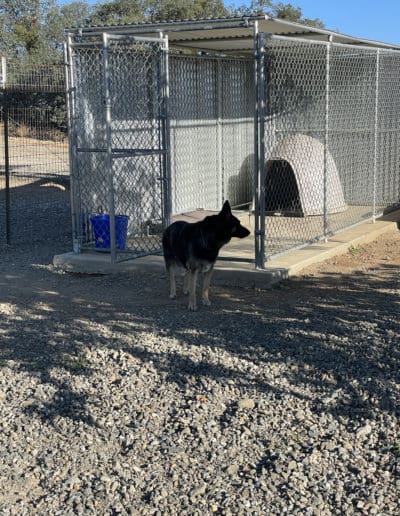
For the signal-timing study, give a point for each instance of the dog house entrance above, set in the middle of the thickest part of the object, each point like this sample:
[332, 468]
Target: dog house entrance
[281, 190]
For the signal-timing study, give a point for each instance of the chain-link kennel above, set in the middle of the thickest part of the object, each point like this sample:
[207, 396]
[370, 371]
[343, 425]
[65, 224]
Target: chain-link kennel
[332, 127]
[303, 134]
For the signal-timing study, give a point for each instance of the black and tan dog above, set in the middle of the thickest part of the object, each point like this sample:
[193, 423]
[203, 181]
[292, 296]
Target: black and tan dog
[190, 248]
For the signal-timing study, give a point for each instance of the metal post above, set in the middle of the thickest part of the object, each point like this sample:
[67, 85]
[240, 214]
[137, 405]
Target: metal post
[256, 149]
[220, 172]
[166, 136]
[69, 91]
[375, 135]
[6, 149]
[326, 136]
[259, 149]
[109, 156]
[261, 161]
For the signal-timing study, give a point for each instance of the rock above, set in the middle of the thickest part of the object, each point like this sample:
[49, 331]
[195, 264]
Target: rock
[246, 403]
[363, 431]
[198, 490]
[232, 469]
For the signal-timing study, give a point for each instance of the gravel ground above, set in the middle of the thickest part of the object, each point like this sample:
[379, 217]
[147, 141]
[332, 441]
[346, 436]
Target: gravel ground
[115, 400]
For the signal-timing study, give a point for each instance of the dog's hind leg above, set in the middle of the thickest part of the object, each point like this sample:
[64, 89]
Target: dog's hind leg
[186, 284]
[206, 285]
[192, 290]
[172, 282]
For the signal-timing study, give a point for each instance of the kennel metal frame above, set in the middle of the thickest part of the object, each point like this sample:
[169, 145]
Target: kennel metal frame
[249, 38]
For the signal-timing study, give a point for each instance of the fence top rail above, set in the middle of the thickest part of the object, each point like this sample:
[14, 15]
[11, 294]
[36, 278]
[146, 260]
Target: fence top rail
[131, 37]
[290, 39]
[117, 37]
[209, 57]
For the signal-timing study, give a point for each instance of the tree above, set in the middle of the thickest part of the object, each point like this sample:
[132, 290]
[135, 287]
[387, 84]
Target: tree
[22, 26]
[58, 19]
[294, 14]
[34, 29]
[254, 7]
[170, 10]
[119, 12]
[285, 11]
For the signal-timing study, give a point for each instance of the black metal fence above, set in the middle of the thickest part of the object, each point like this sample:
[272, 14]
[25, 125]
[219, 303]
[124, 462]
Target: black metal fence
[34, 164]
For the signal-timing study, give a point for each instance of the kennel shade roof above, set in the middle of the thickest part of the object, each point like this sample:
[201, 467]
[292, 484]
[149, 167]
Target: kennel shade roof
[226, 35]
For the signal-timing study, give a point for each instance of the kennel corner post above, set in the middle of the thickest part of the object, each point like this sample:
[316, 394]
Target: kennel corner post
[109, 156]
[220, 186]
[166, 132]
[70, 103]
[259, 147]
[326, 138]
[375, 135]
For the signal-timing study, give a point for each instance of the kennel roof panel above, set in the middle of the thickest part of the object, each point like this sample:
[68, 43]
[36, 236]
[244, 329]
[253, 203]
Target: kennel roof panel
[230, 34]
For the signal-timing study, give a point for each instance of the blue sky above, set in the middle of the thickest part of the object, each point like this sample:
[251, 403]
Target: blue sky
[371, 19]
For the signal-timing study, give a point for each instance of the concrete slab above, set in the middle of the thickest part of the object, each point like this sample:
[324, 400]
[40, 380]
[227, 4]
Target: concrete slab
[295, 261]
[239, 273]
[226, 273]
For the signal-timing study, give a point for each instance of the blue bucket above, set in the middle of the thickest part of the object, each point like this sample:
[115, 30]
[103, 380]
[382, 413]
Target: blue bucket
[101, 230]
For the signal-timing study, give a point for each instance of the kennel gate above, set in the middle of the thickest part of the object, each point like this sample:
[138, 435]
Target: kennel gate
[117, 94]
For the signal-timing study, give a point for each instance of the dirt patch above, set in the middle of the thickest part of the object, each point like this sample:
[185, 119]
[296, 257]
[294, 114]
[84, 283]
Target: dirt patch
[382, 252]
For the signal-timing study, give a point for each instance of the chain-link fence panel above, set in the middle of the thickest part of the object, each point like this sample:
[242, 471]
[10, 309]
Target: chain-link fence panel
[194, 134]
[88, 123]
[388, 130]
[212, 132]
[295, 80]
[34, 164]
[351, 131]
[237, 119]
[331, 137]
[118, 116]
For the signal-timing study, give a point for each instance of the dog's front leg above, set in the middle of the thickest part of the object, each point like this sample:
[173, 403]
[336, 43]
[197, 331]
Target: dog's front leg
[172, 283]
[192, 289]
[186, 284]
[206, 285]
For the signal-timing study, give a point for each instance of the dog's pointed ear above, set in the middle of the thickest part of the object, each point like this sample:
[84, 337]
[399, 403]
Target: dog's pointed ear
[226, 209]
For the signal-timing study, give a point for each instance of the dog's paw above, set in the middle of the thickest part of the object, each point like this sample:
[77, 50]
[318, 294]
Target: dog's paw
[206, 302]
[192, 307]
[172, 296]
[186, 292]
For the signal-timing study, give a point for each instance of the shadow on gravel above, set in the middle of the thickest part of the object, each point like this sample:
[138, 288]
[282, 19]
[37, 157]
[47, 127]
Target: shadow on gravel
[331, 339]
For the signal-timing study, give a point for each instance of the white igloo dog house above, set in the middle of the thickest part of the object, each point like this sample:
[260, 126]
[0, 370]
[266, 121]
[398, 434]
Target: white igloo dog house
[295, 178]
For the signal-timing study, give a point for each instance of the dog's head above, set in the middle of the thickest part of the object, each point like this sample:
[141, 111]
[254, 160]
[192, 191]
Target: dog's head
[232, 224]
